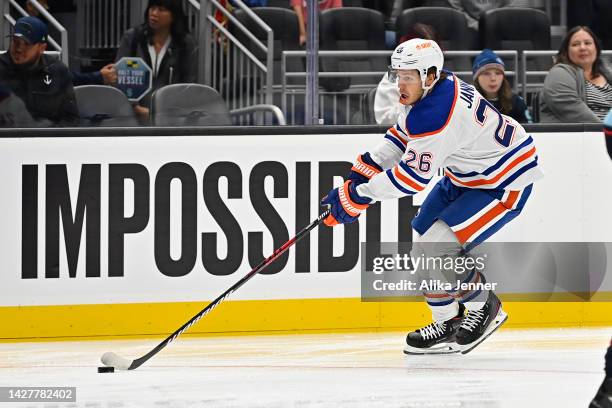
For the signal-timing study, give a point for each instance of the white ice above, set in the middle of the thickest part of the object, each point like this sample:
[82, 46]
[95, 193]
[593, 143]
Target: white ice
[526, 368]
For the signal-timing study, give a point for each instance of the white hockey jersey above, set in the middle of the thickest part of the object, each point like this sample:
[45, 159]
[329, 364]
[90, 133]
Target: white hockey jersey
[453, 127]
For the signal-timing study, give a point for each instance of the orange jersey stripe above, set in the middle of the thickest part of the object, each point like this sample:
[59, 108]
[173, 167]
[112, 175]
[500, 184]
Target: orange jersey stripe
[406, 180]
[464, 234]
[395, 133]
[493, 180]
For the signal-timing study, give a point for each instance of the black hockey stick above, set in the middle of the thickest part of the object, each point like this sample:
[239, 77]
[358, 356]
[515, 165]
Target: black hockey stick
[111, 359]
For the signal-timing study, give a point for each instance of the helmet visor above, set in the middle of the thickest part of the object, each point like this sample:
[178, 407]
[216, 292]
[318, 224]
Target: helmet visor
[410, 76]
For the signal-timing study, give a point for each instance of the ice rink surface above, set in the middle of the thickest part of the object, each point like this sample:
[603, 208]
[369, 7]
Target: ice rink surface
[514, 368]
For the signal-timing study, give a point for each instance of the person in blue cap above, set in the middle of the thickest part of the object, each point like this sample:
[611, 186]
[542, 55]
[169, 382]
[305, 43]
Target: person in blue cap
[42, 82]
[490, 80]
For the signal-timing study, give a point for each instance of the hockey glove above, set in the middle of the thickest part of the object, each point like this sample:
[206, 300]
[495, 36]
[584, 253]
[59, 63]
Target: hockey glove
[364, 169]
[345, 204]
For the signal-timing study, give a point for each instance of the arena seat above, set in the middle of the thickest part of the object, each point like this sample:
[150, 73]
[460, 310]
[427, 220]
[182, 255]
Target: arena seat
[397, 8]
[517, 29]
[284, 25]
[188, 105]
[449, 25]
[105, 106]
[201, 105]
[514, 29]
[451, 30]
[602, 25]
[351, 28]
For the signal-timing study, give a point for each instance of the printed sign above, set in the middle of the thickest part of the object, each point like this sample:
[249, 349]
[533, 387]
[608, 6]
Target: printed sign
[107, 220]
[134, 77]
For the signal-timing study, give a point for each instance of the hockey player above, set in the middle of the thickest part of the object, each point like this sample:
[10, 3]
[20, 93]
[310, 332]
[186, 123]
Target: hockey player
[489, 162]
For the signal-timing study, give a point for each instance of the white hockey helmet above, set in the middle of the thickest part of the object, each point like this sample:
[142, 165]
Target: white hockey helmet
[417, 54]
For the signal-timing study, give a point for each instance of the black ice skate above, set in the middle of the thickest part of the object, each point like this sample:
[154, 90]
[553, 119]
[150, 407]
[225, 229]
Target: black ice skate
[480, 324]
[435, 338]
[603, 399]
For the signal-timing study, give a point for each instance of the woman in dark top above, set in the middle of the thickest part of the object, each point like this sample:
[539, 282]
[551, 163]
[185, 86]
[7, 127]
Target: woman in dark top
[164, 42]
[578, 87]
[491, 82]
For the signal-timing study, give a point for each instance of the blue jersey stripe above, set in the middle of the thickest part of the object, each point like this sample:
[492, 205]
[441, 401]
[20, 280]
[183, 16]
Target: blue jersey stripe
[497, 165]
[397, 184]
[520, 171]
[396, 142]
[413, 174]
[399, 129]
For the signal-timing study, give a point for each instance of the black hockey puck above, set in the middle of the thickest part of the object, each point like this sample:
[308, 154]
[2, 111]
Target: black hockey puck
[106, 369]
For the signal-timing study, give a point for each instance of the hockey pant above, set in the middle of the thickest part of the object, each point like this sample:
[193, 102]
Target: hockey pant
[451, 222]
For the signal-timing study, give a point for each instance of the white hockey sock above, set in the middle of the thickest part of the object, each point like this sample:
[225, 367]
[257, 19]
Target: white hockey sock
[443, 313]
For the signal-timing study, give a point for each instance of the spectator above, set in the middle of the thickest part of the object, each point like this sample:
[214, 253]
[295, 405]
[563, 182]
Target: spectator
[106, 76]
[299, 6]
[386, 100]
[33, 11]
[164, 42]
[473, 9]
[42, 82]
[577, 88]
[490, 80]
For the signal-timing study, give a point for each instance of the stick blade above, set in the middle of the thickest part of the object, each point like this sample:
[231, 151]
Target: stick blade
[111, 359]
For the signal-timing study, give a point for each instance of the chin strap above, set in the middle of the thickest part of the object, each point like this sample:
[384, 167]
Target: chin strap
[429, 88]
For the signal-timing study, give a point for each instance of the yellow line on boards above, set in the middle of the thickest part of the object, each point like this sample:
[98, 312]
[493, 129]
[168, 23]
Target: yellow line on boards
[267, 316]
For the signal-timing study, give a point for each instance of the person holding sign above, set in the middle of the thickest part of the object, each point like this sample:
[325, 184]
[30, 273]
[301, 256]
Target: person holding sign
[164, 43]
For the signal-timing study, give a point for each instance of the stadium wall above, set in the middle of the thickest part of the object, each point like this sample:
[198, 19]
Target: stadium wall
[129, 232]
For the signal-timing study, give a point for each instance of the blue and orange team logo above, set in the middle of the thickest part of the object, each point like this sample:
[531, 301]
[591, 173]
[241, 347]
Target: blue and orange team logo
[132, 64]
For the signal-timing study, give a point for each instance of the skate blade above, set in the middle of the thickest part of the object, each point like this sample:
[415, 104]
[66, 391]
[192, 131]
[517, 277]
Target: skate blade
[498, 321]
[420, 352]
